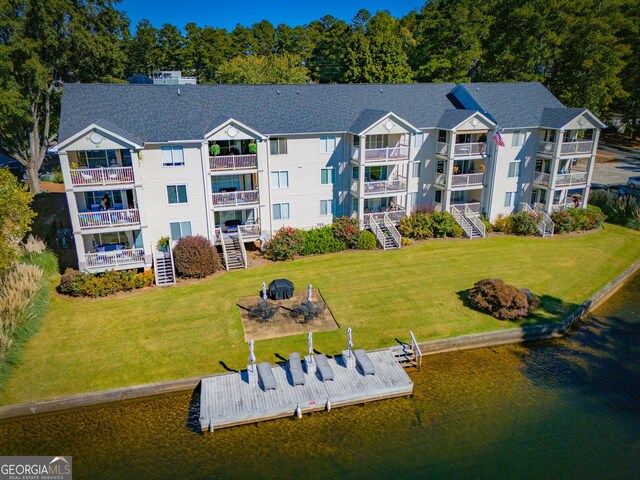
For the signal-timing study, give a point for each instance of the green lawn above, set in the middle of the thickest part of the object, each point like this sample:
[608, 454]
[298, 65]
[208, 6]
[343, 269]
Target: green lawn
[190, 330]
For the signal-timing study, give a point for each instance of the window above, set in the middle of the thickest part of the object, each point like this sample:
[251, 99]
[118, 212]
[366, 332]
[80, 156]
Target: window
[510, 199]
[514, 168]
[172, 156]
[177, 193]
[442, 136]
[415, 170]
[278, 146]
[356, 141]
[355, 173]
[280, 179]
[376, 141]
[92, 199]
[280, 211]
[126, 158]
[418, 139]
[326, 207]
[440, 166]
[97, 158]
[518, 138]
[327, 143]
[179, 230]
[327, 176]
[438, 196]
[412, 198]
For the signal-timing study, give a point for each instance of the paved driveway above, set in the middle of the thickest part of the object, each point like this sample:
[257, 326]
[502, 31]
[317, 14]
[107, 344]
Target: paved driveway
[623, 166]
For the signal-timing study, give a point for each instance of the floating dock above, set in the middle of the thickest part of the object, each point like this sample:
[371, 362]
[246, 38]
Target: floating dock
[239, 398]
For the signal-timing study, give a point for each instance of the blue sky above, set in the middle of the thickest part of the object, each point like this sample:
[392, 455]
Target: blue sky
[228, 13]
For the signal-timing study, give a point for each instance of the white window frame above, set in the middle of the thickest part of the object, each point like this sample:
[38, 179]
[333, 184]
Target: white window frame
[181, 225]
[277, 177]
[326, 207]
[515, 168]
[279, 215]
[178, 202]
[169, 156]
[327, 143]
[332, 176]
[280, 144]
[518, 138]
[510, 199]
[415, 170]
[418, 140]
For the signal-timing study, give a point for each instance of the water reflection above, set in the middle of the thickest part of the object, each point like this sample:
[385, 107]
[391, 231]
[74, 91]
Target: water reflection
[556, 409]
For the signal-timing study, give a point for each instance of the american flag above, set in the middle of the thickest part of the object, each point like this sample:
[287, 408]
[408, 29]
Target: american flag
[498, 138]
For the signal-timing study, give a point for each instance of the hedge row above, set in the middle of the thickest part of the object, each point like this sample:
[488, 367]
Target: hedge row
[343, 234]
[420, 226]
[80, 284]
[572, 219]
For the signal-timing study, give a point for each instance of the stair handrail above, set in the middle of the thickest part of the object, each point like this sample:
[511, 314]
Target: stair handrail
[224, 249]
[461, 220]
[416, 350]
[548, 222]
[397, 238]
[243, 250]
[373, 224]
[173, 269]
[475, 220]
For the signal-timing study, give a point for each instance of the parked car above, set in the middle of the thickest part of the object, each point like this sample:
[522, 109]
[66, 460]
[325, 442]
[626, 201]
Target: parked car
[633, 182]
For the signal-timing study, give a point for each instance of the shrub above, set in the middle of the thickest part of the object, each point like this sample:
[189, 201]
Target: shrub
[487, 224]
[321, 240]
[163, 243]
[500, 224]
[500, 300]
[522, 223]
[417, 226]
[404, 241]
[444, 225]
[367, 241]
[624, 210]
[80, 284]
[286, 243]
[347, 230]
[34, 245]
[564, 221]
[195, 257]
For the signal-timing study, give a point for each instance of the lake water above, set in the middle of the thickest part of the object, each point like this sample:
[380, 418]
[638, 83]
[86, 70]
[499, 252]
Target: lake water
[567, 408]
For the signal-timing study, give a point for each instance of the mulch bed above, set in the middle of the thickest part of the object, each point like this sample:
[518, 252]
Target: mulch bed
[282, 324]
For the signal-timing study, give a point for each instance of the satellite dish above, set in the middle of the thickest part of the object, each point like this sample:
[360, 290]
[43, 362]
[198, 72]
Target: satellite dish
[388, 125]
[95, 138]
[232, 131]
[581, 121]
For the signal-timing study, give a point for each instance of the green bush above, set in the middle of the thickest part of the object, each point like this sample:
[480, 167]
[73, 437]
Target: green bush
[624, 210]
[321, 240]
[578, 219]
[444, 225]
[347, 231]
[195, 257]
[563, 221]
[417, 226]
[522, 223]
[286, 243]
[500, 224]
[80, 284]
[487, 224]
[501, 300]
[366, 241]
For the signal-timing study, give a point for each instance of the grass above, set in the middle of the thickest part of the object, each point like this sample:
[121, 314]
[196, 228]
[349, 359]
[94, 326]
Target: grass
[195, 329]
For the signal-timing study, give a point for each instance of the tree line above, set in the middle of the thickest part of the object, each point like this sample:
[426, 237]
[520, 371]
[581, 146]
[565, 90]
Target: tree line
[586, 52]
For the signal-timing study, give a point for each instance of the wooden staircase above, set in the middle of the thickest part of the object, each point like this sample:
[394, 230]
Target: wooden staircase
[408, 355]
[164, 269]
[234, 255]
[386, 233]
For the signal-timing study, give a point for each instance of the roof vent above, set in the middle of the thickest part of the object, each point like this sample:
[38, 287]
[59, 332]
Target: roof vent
[380, 90]
[298, 92]
[178, 92]
[278, 92]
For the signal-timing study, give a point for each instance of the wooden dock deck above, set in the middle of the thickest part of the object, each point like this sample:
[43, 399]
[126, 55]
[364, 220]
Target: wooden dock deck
[235, 399]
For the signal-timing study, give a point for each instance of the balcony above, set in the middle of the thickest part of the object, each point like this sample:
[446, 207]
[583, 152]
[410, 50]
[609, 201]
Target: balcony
[230, 163]
[475, 207]
[109, 218]
[385, 154]
[562, 179]
[232, 199]
[583, 147]
[88, 177]
[469, 149]
[395, 215]
[398, 185]
[467, 179]
[118, 258]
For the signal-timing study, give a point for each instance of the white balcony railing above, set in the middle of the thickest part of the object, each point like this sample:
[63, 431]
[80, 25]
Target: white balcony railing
[114, 259]
[224, 199]
[355, 153]
[473, 207]
[249, 230]
[546, 147]
[101, 176]
[386, 186]
[541, 177]
[109, 218]
[388, 153]
[573, 178]
[573, 148]
[394, 215]
[233, 162]
[441, 179]
[467, 179]
[468, 149]
[355, 186]
[442, 148]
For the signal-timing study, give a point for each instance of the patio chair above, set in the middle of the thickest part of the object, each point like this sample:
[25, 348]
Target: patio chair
[295, 369]
[265, 374]
[324, 368]
[364, 362]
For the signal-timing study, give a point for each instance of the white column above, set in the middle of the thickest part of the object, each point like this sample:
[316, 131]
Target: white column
[206, 184]
[140, 200]
[361, 172]
[554, 168]
[446, 201]
[590, 165]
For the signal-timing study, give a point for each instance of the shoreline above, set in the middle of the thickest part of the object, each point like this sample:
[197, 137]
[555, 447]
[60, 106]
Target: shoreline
[431, 347]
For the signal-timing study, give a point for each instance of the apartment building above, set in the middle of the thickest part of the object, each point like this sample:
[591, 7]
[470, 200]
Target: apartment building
[237, 162]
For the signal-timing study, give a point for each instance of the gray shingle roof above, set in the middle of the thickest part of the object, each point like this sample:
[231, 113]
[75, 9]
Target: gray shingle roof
[156, 113]
[367, 118]
[452, 118]
[513, 105]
